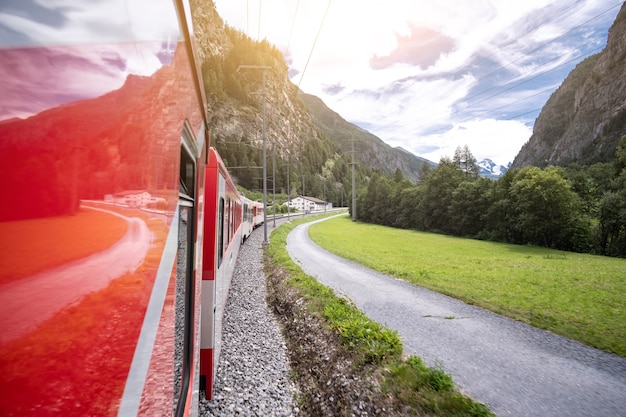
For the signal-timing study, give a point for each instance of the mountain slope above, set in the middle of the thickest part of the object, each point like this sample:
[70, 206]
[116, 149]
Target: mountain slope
[585, 117]
[370, 150]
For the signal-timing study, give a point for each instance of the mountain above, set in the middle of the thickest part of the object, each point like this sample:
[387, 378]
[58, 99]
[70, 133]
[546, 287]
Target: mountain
[585, 117]
[488, 168]
[370, 149]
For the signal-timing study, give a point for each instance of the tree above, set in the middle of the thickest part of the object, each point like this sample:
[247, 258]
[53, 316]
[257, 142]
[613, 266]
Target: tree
[546, 211]
[464, 159]
[469, 207]
[397, 176]
[438, 194]
[612, 225]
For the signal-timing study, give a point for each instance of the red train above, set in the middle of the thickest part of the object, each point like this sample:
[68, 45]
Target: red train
[120, 226]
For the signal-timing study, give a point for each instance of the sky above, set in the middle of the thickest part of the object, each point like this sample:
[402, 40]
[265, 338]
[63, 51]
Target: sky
[428, 75]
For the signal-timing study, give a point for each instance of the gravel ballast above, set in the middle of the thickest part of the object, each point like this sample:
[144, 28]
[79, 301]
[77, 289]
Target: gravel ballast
[253, 369]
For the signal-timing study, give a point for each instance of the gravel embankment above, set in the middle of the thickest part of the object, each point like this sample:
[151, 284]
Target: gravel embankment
[253, 370]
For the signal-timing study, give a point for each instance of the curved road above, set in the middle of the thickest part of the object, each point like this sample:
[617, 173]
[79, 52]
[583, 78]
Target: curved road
[516, 369]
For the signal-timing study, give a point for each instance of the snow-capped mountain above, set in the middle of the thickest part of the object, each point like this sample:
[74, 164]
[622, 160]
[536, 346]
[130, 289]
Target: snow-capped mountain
[488, 168]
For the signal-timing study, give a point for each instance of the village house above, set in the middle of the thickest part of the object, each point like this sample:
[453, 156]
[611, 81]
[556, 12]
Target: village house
[308, 204]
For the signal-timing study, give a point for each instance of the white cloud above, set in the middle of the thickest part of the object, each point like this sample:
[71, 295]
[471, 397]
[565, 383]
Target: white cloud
[492, 138]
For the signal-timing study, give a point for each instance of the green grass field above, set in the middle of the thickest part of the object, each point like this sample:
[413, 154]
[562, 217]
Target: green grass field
[579, 296]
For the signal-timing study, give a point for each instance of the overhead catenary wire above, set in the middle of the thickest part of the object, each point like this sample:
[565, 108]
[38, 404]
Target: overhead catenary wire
[501, 92]
[537, 49]
[293, 24]
[314, 42]
[558, 13]
[589, 53]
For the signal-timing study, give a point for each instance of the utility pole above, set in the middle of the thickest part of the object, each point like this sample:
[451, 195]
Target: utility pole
[288, 177]
[325, 195]
[274, 183]
[288, 191]
[303, 198]
[353, 186]
[263, 68]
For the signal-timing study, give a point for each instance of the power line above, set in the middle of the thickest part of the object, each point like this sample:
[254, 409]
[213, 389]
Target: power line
[523, 114]
[583, 56]
[549, 19]
[314, 42]
[258, 29]
[537, 76]
[510, 88]
[293, 24]
[464, 110]
[536, 49]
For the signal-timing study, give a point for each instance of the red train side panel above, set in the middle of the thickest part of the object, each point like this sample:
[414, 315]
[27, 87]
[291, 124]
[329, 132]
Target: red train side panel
[222, 234]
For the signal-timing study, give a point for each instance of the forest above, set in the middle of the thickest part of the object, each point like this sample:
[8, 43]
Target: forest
[573, 208]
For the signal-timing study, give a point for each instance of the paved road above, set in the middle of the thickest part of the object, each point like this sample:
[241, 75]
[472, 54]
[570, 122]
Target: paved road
[517, 370]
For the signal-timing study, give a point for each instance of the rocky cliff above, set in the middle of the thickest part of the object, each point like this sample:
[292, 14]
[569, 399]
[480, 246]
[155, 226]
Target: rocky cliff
[585, 117]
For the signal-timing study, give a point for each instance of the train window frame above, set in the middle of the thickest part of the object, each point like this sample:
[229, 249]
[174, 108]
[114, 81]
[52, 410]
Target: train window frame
[220, 231]
[187, 220]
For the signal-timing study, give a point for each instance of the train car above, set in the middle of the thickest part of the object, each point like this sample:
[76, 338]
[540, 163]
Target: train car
[252, 216]
[223, 228]
[118, 222]
[258, 215]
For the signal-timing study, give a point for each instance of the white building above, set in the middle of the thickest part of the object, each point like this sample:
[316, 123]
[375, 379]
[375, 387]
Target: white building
[308, 204]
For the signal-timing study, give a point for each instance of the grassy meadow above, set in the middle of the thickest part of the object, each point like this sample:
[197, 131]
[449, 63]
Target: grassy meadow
[579, 296]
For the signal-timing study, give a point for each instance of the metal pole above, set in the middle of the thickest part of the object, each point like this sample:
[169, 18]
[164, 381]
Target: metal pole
[265, 241]
[325, 204]
[274, 183]
[288, 191]
[263, 68]
[353, 187]
[303, 199]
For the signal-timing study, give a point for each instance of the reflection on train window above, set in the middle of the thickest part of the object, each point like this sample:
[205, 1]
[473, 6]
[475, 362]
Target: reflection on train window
[187, 173]
[184, 279]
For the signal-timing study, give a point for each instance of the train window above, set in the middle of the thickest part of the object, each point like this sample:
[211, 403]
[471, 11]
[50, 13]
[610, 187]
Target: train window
[220, 232]
[185, 275]
[187, 173]
[229, 222]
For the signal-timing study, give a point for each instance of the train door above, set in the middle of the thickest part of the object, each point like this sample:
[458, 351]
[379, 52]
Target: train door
[185, 278]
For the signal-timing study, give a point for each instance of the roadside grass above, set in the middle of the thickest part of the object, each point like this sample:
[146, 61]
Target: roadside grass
[413, 385]
[579, 296]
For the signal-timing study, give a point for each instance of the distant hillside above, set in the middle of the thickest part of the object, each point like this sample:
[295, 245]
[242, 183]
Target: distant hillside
[585, 117]
[370, 150]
